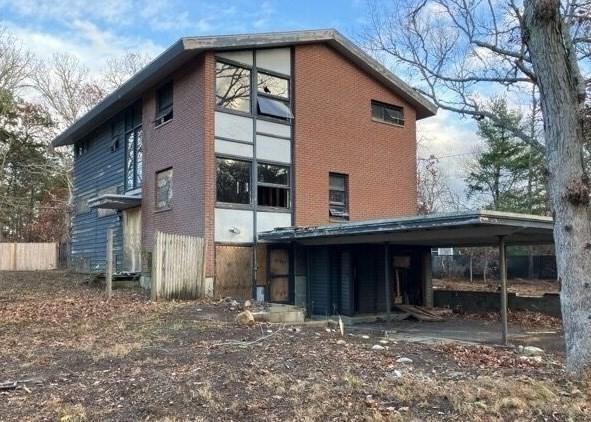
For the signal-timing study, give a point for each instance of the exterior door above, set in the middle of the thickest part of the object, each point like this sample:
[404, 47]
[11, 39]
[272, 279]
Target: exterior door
[132, 239]
[279, 275]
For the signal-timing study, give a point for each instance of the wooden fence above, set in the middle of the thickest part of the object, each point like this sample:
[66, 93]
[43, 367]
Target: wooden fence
[28, 256]
[177, 267]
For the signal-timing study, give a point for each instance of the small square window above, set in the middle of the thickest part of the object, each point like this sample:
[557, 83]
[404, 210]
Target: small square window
[387, 113]
[273, 185]
[164, 97]
[272, 85]
[164, 189]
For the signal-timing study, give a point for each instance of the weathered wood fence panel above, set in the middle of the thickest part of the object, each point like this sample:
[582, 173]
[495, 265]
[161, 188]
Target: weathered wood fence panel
[28, 256]
[177, 267]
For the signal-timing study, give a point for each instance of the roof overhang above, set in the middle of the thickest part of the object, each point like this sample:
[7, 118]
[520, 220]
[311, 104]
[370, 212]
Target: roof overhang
[115, 202]
[187, 48]
[474, 228]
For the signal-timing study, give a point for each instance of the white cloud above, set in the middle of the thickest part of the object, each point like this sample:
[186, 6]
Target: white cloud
[454, 141]
[83, 39]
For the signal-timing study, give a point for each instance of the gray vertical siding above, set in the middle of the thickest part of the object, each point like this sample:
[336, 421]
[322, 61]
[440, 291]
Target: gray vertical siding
[95, 171]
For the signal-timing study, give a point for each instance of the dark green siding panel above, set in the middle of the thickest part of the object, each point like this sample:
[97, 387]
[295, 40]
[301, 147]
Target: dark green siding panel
[346, 277]
[319, 280]
[96, 171]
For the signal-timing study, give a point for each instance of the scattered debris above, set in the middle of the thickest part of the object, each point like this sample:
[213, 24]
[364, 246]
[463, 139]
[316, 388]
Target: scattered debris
[341, 342]
[377, 347]
[530, 350]
[403, 360]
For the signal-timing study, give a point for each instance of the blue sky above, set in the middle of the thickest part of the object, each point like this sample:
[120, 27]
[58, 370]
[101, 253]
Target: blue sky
[96, 31]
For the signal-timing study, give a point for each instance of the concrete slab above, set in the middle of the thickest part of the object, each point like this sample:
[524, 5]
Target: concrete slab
[465, 331]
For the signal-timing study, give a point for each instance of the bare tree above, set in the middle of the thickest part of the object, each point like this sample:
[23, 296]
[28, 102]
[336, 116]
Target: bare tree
[460, 48]
[119, 69]
[433, 192]
[66, 88]
[16, 63]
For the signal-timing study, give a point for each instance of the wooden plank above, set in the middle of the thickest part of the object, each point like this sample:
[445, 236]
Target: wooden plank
[419, 313]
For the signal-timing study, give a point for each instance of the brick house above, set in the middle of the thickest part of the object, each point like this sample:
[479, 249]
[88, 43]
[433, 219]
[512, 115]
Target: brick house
[226, 137]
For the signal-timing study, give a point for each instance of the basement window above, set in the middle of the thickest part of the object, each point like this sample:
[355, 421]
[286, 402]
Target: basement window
[387, 113]
[232, 87]
[164, 97]
[338, 197]
[164, 189]
[273, 186]
[233, 181]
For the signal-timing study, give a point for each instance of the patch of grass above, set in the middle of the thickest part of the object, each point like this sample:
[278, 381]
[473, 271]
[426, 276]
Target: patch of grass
[72, 413]
[116, 351]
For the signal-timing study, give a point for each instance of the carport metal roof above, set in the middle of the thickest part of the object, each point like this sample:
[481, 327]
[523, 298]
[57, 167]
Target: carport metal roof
[472, 228]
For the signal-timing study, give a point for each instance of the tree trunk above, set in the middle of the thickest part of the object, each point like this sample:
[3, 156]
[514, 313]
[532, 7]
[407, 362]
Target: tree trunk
[562, 94]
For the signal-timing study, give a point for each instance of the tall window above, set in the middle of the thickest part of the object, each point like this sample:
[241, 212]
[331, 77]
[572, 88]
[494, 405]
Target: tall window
[273, 185]
[232, 87]
[233, 181]
[387, 113]
[164, 104]
[164, 189]
[133, 147]
[338, 206]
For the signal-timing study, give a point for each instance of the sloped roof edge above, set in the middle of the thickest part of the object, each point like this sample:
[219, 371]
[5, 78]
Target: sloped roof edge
[186, 48]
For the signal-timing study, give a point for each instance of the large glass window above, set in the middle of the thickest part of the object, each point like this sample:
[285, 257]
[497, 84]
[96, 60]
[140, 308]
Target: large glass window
[134, 148]
[164, 189]
[273, 185]
[338, 197]
[233, 181]
[232, 87]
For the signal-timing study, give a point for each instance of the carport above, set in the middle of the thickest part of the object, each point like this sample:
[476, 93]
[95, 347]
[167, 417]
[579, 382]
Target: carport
[365, 266]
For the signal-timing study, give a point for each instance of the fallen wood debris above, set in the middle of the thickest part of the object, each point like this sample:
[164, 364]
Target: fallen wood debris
[419, 313]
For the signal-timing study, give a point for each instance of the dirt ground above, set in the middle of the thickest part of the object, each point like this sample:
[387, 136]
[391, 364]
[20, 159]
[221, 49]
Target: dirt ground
[79, 357]
[518, 285]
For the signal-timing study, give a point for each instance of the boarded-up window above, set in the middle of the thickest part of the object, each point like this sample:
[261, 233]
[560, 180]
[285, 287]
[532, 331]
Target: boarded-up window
[164, 189]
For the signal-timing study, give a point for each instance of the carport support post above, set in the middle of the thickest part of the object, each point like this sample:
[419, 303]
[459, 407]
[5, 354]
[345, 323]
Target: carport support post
[503, 271]
[109, 264]
[387, 280]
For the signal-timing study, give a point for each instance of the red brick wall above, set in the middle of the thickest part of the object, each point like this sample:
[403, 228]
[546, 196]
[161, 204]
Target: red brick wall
[186, 144]
[334, 132]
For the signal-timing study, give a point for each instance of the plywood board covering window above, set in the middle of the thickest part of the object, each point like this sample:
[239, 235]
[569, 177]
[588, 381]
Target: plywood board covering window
[164, 189]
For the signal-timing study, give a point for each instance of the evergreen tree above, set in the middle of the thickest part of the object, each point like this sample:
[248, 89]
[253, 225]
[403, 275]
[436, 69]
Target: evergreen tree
[508, 174]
